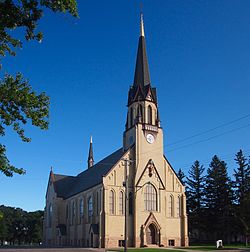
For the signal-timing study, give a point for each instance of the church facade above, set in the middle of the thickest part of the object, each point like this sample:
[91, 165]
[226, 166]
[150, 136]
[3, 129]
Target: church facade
[136, 182]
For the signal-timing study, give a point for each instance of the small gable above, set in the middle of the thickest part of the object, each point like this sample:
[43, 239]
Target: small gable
[150, 174]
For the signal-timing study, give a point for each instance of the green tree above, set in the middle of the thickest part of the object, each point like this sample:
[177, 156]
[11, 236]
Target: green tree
[242, 191]
[218, 193]
[195, 185]
[20, 227]
[242, 177]
[34, 223]
[3, 229]
[19, 103]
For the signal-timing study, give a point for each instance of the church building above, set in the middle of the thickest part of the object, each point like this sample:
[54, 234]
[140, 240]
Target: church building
[135, 183]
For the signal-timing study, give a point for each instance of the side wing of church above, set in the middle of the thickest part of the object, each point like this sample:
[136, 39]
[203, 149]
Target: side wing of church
[88, 210]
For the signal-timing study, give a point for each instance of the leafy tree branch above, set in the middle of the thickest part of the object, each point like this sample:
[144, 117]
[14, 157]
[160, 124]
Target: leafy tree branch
[19, 103]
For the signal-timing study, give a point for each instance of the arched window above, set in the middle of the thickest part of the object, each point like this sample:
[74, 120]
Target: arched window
[149, 114]
[139, 112]
[131, 117]
[81, 209]
[111, 202]
[121, 203]
[130, 203]
[178, 206]
[50, 215]
[90, 206]
[67, 211]
[97, 203]
[150, 198]
[73, 212]
[170, 206]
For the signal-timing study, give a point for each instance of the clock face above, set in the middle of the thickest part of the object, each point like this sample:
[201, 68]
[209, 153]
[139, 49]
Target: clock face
[150, 138]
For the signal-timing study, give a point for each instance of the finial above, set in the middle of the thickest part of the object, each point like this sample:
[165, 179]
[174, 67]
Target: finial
[142, 26]
[91, 156]
[51, 168]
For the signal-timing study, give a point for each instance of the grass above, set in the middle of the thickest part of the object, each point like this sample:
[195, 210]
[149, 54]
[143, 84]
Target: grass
[198, 247]
[212, 247]
[149, 250]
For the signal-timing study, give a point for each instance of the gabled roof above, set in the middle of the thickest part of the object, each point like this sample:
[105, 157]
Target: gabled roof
[67, 186]
[173, 170]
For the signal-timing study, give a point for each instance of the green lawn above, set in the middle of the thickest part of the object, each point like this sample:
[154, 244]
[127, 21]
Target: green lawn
[212, 247]
[200, 247]
[149, 250]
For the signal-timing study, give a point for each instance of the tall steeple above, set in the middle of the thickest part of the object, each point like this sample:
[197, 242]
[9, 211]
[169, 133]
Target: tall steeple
[143, 115]
[91, 156]
[141, 88]
[141, 69]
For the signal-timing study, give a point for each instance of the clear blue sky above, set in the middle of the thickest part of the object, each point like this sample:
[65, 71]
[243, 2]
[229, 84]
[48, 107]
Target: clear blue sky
[199, 59]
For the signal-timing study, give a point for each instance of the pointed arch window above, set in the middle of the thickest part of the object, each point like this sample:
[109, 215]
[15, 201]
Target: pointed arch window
[149, 114]
[171, 206]
[67, 211]
[112, 202]
[150, 198]
[50, 215]
[90, 206]
[121, 202]
[97, 202]
[139, 112]
[81, 209]
[178, 210]
[73, 212]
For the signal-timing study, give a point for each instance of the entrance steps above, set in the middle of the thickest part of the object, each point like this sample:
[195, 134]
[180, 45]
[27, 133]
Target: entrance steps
[152, 246]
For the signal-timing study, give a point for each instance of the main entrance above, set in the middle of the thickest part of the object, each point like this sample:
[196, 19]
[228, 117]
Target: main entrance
[151, 234]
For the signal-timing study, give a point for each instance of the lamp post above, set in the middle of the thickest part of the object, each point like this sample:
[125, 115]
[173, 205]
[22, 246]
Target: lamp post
[127, 162]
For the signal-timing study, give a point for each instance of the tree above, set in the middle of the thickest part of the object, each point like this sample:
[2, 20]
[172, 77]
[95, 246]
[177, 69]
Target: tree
[242, 177]
[242, 191]
[20, 227]
[34, 224]
[181, 176]
[195, 197]
[19, 103]
[218, 193]
[195, 187]
[3, 229]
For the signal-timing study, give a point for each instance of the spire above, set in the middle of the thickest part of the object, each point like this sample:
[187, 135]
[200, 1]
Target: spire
[142, 26]
[141, 69]
[91, 156]
[51, 174]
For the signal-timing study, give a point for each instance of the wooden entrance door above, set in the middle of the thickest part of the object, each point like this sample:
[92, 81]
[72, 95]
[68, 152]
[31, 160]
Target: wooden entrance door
[91, 241]
[151, 234]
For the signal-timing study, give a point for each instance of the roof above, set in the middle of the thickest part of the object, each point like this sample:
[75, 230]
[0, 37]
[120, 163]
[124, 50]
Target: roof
[67, 186]
[141, 69]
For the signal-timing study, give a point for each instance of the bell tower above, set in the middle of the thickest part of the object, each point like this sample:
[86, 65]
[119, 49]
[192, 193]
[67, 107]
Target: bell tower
[142, 99]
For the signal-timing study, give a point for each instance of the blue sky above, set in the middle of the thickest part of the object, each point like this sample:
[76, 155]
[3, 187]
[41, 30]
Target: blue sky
[199, 60]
